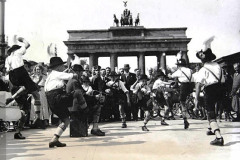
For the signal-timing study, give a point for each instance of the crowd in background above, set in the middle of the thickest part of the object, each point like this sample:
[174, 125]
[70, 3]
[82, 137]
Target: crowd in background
[110, 112]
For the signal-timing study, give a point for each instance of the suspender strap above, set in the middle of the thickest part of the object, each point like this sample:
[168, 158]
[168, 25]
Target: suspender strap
[219, 79]
[189, 79]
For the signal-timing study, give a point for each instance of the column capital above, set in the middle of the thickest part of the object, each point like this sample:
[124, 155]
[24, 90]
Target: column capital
[2, 0]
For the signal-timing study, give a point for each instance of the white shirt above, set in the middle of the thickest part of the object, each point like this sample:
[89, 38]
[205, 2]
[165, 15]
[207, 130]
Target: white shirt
[207, 78]
[88, 90]
[120, 85]
[55, 80]
[180, 75]
[159, 83]
[141, 90]
[15, 60]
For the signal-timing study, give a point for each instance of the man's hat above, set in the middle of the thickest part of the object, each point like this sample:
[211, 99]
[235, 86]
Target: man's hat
[85, 79]
[160, 74]
[55, 61]
[181, 62]
[126, 66]
[97, 67]
[114, 74]
[143, 76]
[77, 67]
[208, 55]
[13, 48]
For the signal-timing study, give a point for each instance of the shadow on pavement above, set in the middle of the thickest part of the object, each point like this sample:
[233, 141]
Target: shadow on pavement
[231, 143]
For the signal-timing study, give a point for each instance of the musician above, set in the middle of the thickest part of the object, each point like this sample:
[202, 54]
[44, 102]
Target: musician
[120, 94]
[210, 76]
[141, 89]
[19, 76]
[99, 83]
[93, 106]
[160, 88]
[129, 79]
[57, 98]
[184, 76]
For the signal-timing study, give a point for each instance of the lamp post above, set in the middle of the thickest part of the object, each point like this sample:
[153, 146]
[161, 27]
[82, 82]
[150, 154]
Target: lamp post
[3, 44]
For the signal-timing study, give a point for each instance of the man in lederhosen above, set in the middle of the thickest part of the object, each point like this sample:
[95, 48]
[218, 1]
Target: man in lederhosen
[120, 95]
[210, 76]
[184, 76]
[129, 79]
[19, 76]
[57, 98]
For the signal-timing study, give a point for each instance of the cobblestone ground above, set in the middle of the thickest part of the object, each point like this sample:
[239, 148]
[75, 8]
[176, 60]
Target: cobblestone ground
[160, 143]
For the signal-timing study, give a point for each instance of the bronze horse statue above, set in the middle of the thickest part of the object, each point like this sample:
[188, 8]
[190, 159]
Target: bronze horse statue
[116, 21]
[137, 20]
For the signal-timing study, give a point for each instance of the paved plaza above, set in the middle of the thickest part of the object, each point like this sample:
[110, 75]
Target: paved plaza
[160, 143]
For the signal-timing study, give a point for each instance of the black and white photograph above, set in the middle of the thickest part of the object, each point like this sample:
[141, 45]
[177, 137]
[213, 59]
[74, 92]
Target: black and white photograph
[119, 79]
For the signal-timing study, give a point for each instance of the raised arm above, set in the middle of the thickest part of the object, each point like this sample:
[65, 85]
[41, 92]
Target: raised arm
[27, 45]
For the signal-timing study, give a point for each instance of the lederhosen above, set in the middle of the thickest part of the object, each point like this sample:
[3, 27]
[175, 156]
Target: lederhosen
[212, 94]
[145, 103]
[59, 101]
[92, 104]
[118, 95]
[20, 77]
[186, 88]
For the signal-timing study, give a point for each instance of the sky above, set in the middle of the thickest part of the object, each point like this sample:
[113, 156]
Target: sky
[43, 22]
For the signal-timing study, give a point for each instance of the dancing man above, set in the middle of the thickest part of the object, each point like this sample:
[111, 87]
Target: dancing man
[57, 98]
[184, 76]
[19, 77]
[120, 95]
[141, 89]
[210, 76]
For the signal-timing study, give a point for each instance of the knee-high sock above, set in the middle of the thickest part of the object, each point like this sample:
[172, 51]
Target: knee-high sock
[147, 117]
[215, 128]
[184, 110]
[60, 129]
[122, 114]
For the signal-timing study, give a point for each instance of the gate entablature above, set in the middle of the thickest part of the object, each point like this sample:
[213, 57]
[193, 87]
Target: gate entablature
[127, 41]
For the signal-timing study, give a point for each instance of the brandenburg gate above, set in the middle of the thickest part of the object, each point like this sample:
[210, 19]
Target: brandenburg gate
[128, 40]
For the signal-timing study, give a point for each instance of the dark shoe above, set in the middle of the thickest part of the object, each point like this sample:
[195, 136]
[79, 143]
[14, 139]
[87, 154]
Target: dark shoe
[144, 128]
[56, 143]
[124, 125]
[164, 123]
[186, 125]
[97, 132]
[172, 118]
[217, 142]
[209, 133]
[236, 120]
[18, 136]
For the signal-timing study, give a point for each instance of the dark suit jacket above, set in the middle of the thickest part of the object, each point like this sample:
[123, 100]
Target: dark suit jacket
[130, 80]
[98, 84]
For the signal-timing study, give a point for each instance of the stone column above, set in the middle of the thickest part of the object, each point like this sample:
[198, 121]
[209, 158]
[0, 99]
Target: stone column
[113, 61]
[161, 61]
[185, 56]
[2, 29]
[141, 62]
[93, 60]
